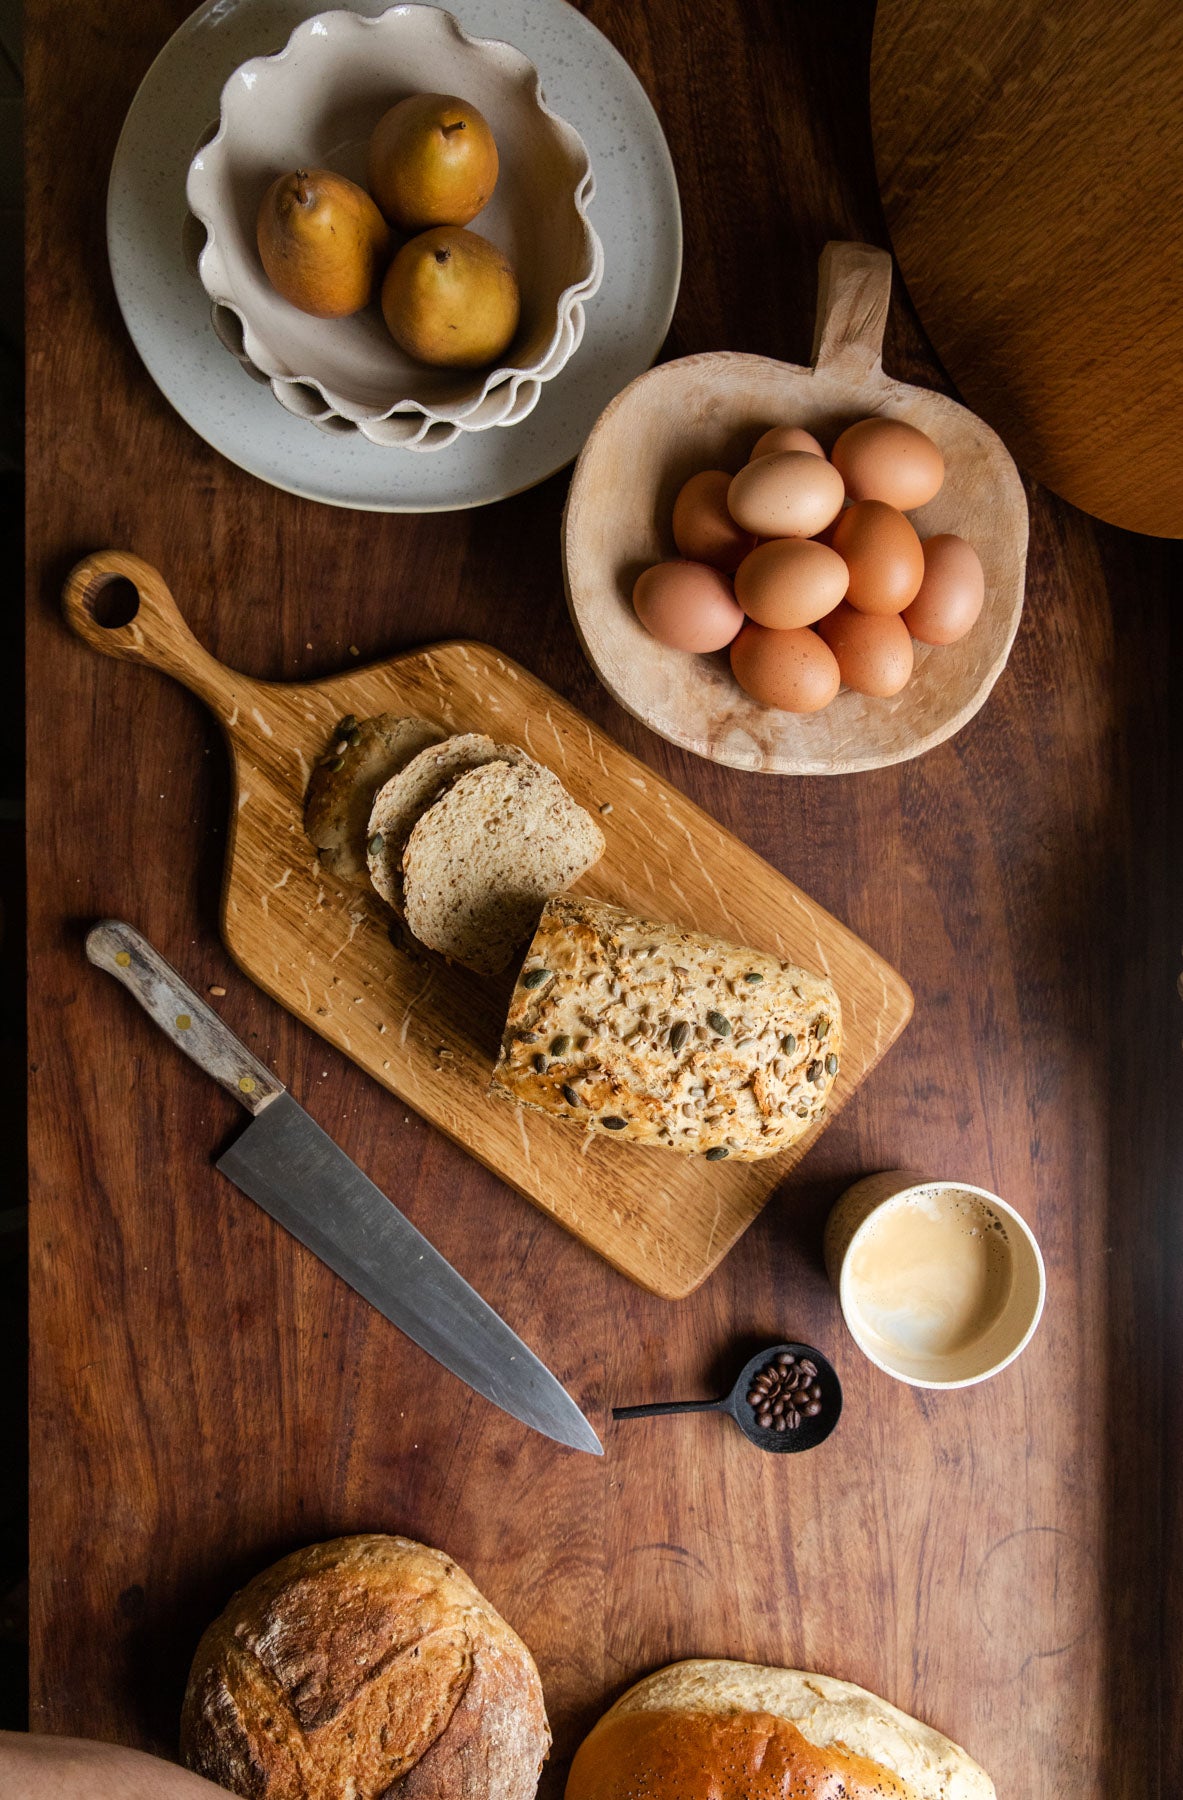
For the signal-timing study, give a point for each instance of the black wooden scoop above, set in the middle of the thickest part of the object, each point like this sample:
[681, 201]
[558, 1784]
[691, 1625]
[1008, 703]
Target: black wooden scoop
[811, 1429]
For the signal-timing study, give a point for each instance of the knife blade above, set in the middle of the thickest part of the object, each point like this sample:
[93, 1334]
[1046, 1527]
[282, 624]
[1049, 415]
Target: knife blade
[306, 1182]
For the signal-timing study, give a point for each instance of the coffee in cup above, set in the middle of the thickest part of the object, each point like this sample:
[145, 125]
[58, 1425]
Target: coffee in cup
[941, 1284]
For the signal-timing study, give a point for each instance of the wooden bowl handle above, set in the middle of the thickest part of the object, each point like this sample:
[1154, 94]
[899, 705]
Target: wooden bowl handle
[154, 633]
[853, 294]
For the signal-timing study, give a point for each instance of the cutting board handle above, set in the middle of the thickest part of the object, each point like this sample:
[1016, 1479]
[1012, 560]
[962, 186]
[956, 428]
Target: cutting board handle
[853, 295]
[147, 630]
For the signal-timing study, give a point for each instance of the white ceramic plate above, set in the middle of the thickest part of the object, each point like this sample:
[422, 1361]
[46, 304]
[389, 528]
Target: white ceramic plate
[635, 212]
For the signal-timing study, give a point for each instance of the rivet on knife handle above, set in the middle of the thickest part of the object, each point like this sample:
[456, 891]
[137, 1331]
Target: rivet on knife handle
[170, 1003]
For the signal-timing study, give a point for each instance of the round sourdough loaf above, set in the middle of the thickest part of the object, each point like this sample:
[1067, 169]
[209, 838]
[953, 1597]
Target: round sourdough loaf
[710, 1730]
[368, 1668]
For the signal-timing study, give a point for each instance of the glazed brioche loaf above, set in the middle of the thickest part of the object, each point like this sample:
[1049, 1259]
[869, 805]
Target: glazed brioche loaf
[482, 861]
[664, 1036]
[367, 1667]
[362, 757]
[712, 1730]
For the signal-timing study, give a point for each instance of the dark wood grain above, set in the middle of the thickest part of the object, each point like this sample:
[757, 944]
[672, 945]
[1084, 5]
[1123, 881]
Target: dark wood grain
[206, 1396]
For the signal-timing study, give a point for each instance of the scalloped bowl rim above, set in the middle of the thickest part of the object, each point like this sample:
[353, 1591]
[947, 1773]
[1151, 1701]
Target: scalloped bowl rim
[506, 377]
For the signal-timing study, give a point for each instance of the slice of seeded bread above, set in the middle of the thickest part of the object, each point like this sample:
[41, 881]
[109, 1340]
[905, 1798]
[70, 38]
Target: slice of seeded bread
[362, 757]
[482, 862]
[400, 804]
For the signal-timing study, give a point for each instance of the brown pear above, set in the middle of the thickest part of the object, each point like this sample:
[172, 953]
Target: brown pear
[450, 298]
[323, 242]
[432, 161]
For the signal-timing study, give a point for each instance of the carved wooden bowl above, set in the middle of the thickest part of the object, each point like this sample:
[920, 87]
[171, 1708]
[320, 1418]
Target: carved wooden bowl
[706, 412]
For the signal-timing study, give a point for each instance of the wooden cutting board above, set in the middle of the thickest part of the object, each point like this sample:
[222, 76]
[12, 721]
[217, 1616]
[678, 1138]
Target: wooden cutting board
[430, 1032]
[1030, 159]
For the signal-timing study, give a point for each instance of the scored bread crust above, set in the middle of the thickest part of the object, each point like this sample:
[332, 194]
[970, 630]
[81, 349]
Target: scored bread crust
[482, 861]
[400, 804]
[826, 1711]
[370, 1667]
[667, 1037]
[338, 799]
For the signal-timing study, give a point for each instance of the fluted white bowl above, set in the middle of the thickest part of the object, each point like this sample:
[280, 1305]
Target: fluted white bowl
[315, 104]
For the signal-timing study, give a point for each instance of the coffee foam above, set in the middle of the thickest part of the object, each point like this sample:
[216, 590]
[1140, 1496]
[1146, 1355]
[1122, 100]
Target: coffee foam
[929, 1274]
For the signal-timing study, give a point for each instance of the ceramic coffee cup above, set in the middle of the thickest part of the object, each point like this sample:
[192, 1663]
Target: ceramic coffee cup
[941, 1283]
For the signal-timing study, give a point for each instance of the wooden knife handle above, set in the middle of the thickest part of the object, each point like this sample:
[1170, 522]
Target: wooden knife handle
[170, 1003]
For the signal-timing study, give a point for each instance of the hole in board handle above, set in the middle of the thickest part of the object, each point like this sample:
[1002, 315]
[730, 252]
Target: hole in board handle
[113, 602]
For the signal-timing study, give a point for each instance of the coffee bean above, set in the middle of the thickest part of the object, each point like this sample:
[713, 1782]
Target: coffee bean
[785, 1392]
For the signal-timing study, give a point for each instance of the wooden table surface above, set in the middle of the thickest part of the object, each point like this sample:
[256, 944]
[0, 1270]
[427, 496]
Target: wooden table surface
[205, 1396]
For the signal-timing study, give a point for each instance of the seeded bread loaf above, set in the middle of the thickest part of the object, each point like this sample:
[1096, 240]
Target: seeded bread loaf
[483, 860]
[362, 757]
[367, 1666]
[401, 802]
[663, 1036]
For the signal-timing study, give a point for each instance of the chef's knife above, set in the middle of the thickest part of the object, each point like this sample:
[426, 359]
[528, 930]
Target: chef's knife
[295, 1172]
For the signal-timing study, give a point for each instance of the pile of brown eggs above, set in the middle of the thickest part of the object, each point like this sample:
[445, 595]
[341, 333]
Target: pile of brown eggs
[810, 570]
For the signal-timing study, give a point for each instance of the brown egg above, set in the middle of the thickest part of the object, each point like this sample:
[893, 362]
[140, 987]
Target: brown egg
[703, 528]
[786, 437]
[882, 552]
[827, 536]
[789, 582]
[792, 670]
[951, 593]
[789, 494]
[884, 459]
[687, 606]
[874, 653]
